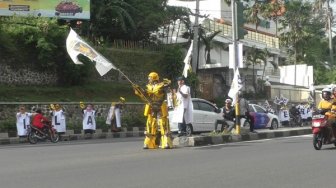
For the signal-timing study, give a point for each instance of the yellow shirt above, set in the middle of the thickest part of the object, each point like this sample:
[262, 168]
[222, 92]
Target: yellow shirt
[325, 105]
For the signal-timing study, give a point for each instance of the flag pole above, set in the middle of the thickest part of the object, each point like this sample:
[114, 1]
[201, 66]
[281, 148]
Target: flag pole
[138, 89]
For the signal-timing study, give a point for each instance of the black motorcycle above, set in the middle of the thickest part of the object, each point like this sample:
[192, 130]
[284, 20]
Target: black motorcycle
[48, 132]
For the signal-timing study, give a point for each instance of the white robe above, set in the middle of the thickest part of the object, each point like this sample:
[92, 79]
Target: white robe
[183, 104]
[22, 123]
[58, 121]
[89, 121]
[114, 112]
[284, 115]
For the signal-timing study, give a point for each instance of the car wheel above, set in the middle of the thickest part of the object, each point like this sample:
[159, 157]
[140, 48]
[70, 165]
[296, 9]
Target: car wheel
[274, 124]
[189, 130]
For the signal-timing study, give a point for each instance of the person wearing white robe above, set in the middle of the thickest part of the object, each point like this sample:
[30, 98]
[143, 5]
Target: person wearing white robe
[22, 121]
[114, 115]
[58, 119]
[89, 121]
[184, 107]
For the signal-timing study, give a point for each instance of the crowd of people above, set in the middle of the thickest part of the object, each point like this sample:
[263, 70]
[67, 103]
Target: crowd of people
[57, 117]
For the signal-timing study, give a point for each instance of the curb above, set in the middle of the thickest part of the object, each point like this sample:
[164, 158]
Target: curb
[222, 139]
[177, 141]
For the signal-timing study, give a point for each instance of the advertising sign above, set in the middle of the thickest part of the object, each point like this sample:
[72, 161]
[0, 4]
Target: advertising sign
[64, 9]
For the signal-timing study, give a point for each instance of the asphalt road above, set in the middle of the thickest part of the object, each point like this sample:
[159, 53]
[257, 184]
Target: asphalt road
[121, 163]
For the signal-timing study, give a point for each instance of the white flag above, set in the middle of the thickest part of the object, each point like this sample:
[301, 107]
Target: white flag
[75, 46]
[187, 60]
[236, 85]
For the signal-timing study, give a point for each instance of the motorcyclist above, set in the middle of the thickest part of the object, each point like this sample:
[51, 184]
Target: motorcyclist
[39, 121]
[325, 107]
[333, 112]
[326, 102]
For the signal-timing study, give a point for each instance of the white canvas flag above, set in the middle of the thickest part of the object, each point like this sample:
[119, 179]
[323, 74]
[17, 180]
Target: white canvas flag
[187, 61]
[75, 46]
[235, 86]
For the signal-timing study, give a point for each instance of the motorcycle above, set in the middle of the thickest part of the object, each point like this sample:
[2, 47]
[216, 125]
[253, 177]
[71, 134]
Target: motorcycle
[322, 132]
[48, 132]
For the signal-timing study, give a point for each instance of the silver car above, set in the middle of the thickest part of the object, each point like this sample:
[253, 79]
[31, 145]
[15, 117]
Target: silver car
[204, 116]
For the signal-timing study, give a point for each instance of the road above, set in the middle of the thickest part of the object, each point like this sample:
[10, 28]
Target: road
[283, 162]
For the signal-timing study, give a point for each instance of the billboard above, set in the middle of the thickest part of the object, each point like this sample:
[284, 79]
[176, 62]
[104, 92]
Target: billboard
[64, 9]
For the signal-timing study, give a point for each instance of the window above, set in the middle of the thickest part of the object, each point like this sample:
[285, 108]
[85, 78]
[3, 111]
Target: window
[206, 107]
[259, 109]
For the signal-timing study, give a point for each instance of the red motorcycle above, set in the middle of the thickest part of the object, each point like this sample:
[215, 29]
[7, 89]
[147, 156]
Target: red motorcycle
[48, 132]
[322, 132]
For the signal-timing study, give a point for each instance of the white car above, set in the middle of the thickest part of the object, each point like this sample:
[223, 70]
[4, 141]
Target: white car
[204, 116]
[262, 118]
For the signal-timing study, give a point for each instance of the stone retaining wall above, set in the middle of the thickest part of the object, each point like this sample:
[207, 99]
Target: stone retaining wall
[25, 76]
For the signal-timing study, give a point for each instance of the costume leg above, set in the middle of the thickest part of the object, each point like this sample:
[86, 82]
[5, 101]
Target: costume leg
[166, 141]
[150, 133]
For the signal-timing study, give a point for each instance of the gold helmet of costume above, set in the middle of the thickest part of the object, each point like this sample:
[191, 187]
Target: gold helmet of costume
[153, 76]
[122, 99]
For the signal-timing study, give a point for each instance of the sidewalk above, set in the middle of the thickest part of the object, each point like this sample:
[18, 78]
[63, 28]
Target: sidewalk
[196, 140]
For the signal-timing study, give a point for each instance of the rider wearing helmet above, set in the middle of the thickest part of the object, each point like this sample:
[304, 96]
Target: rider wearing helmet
[326, 104]
[325, 107]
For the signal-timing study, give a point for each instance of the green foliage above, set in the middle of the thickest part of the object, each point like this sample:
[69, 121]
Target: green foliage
[8, 125]
[172, 63]
[135, 119]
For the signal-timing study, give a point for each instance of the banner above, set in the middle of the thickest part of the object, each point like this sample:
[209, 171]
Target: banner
[235, 86]
[187, 61]
[65, 9]
[75, 46]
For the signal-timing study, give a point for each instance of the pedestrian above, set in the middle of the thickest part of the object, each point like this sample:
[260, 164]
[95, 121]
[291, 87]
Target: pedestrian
[229, 116]
[183, 110]
[22, 121]
[58, 118]
[244, 111]
[114, 115]
[89, 121]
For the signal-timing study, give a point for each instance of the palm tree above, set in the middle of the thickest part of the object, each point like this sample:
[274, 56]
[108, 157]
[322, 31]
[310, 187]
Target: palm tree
[273, 11]
[328, 12]
[207, 41]
[110, 13]
[255, 56]
[251, 14]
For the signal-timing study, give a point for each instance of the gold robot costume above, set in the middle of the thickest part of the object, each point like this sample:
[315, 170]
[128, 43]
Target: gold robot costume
[156, 111]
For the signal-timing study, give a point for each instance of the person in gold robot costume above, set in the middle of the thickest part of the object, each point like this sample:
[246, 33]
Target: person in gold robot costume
[156, 111]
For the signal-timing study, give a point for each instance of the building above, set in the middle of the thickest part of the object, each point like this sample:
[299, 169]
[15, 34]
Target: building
[215, 74]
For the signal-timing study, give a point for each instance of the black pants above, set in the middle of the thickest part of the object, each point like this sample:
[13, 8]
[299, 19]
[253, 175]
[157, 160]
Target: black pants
[249, 118]
[182, 127]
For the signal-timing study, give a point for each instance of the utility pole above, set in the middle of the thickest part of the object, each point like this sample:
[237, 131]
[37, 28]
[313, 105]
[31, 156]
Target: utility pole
[235, 58]
[329, 16]
[194, 63]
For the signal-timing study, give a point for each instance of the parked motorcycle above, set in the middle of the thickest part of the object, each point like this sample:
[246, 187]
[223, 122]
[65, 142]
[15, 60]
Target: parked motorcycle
[322, 132]
[48, 132]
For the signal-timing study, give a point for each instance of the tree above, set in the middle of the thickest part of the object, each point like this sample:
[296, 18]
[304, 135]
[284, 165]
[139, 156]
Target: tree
[272, 11]
[255, 56]
[298, 19]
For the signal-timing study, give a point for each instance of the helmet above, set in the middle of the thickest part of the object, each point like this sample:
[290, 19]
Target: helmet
[153, 76]
[326, 93]
[122, 99]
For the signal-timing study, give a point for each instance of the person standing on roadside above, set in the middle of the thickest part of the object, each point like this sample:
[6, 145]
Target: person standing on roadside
[244, 111]
[89, 119]
[183, 110]
[22, 121]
